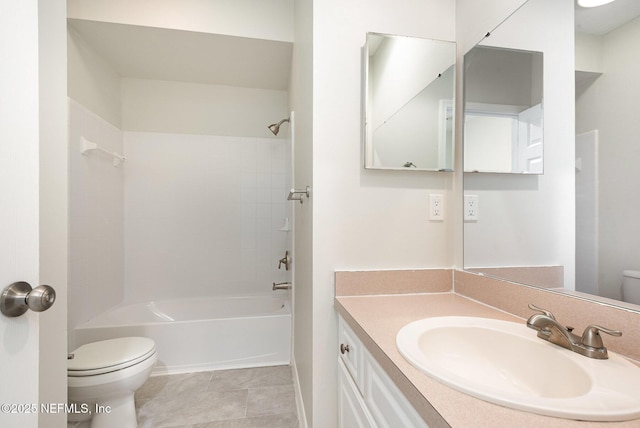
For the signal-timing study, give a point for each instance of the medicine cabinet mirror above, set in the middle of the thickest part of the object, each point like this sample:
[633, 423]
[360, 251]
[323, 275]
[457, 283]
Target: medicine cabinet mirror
[503, 130]
[408, 93]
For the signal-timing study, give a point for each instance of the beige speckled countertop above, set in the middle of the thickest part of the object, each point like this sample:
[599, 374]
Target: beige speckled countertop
[376, 319]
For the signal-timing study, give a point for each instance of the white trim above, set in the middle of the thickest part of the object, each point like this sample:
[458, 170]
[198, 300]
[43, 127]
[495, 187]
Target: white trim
[302, 417]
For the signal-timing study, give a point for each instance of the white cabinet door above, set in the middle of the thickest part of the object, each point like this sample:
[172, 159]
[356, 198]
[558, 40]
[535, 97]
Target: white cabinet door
[351, 410]
[351, 350]
[388, 407]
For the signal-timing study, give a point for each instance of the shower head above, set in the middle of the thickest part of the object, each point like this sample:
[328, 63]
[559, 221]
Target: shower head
[275, 127]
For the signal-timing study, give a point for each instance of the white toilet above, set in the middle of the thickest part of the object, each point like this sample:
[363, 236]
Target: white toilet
[631, 286]
[102, 378]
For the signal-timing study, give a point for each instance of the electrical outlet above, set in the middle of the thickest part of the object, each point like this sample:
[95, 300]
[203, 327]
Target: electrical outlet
[471, 207]
[436, 207]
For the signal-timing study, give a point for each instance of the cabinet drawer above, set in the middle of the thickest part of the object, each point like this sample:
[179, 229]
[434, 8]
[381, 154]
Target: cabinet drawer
[350, 352]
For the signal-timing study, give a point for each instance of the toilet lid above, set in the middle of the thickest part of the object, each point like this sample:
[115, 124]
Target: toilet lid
[109, 355]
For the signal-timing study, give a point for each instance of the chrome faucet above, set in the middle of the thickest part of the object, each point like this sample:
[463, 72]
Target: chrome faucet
[590, 344]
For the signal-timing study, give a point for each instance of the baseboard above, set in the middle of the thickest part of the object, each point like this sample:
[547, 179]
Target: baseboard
[302, 417]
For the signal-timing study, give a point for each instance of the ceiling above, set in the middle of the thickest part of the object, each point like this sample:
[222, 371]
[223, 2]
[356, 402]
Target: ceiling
[602, 19]
[187, 56]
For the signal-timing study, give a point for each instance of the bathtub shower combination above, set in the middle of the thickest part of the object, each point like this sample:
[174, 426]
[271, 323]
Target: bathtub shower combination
[205, 333]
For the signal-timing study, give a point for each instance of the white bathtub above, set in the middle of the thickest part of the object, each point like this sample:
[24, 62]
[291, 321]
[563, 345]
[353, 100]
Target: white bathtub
[195, 334]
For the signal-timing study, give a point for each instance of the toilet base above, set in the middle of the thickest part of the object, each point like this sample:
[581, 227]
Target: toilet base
[118, 412]
[78, 424]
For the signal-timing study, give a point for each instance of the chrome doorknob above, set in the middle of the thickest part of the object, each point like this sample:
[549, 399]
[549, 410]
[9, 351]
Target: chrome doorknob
[19, 297]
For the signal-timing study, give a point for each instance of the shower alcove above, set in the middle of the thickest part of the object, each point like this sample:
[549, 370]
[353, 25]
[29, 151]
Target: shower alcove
[195, 209]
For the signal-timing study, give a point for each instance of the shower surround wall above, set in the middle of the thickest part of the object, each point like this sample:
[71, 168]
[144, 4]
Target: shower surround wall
[202, 214]
[96, 218]
[193, 215]
[231, 178]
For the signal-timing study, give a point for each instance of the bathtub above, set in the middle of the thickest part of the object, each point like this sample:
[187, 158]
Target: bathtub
[197, 334]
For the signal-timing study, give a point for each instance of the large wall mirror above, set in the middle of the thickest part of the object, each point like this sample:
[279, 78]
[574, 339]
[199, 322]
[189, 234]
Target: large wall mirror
[408, 103]
[607, 146]
[573, 228]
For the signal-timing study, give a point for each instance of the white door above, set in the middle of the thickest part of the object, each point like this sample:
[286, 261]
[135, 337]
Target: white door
[530, 141]
[32, 236]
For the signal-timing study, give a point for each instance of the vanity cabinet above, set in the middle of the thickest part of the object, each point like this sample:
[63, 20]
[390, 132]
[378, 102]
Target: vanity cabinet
[367, 397]
[352, 412]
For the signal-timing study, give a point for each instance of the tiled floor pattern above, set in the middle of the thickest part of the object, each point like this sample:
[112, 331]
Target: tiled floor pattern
[243, 398]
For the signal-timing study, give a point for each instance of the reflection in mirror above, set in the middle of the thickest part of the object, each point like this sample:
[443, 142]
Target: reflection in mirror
[408, 97]
[503, 111]
[523, 224]
[607, 149]
[604, 164]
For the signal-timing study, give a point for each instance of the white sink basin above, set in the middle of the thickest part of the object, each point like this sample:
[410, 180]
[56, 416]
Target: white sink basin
[506, 363]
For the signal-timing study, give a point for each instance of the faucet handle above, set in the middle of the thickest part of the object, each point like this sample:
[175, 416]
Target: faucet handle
[544, 311]
[591, 336]
[286, 260]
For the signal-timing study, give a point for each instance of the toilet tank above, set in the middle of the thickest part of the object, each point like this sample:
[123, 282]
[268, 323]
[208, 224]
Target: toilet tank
[631, 286]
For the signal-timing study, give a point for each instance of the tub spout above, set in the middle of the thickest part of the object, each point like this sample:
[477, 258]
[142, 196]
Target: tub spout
[281, 286]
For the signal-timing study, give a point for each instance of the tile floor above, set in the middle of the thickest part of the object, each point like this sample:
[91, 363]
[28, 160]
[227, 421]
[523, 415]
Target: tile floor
[243, 398]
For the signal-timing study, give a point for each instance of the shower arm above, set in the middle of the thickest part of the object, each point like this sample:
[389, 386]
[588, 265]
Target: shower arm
[275, 127]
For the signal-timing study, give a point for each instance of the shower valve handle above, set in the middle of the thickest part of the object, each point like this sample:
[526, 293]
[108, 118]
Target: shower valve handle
[286, 261]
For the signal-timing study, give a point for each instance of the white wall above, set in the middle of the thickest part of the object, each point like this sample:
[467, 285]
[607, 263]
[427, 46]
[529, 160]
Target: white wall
[610, 105]
[589, 52]
[361, 219]
[524, 219]
[401, 68]
[202, 215]
[96, 219]
[301, 99]
[218, 201]
[92, 81]
[495, 76]
[195, 108]
[417, 131]
[473, 20]
[264, 19]
[487, 143]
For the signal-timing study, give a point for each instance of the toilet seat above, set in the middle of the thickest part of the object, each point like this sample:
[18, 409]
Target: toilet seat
[109, 355]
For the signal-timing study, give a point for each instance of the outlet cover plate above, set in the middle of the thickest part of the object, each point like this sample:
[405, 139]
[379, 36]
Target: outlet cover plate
[470, 207]
[436, 207]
